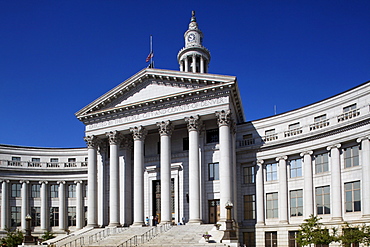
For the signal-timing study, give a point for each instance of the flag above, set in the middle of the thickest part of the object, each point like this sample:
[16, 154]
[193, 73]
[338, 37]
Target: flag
[151, 54]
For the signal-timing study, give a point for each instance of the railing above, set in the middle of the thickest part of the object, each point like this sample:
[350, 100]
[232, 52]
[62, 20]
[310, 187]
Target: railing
[348, 115]
[246, 142]
[293, 132]
[319, 125]
[271, 137]
[33, 164]
[145, 237]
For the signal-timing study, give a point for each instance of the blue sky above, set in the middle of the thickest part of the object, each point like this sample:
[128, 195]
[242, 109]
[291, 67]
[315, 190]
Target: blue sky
[58, 56]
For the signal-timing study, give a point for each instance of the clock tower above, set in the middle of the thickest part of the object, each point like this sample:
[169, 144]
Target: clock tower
[194, 57]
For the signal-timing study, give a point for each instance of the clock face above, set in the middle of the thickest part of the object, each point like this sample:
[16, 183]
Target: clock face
[191, 37]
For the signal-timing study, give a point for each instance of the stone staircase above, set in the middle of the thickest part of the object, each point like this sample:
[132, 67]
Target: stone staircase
[187, 235]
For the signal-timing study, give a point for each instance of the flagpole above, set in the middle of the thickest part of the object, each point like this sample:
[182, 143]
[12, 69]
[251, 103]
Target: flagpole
[151, 49]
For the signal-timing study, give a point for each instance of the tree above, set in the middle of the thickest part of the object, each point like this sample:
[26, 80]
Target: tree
[47, 235]
[351, 235]
[312, 232]
[13, 238]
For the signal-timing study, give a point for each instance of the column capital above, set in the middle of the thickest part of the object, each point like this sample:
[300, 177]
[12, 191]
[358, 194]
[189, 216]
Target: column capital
[165, 128]
[91, 141]
[138, 132]
[43, 182]
[61, 182]
[114, 137]
[78, 182]
[194, 123]
[259, 162]
[4, 181]
[223, 117]
[281, 158]
[360, 139]
[24, 181]
[333, 146]
[310, 152]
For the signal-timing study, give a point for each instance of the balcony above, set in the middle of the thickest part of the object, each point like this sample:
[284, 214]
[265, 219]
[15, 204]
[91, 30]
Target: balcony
[38, 165]
[348, 115]
[246, 142]
[271, 137]
[319, 125]
[293, 132]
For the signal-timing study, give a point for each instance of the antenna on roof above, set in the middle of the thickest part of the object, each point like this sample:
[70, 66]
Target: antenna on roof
[275, 109]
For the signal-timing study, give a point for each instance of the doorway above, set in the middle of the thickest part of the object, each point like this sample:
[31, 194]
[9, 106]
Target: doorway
[157, 198]
[214, 211]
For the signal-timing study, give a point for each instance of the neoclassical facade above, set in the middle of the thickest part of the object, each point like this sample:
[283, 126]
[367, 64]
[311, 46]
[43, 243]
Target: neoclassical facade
[176, 145]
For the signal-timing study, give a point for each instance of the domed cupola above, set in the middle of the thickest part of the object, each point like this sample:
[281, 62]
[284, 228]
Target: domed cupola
[194, 57]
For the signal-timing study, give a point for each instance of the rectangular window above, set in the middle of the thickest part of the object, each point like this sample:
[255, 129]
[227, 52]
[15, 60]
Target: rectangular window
[249, 207]
[35, 215]
[54, 216]
[296, 203]
[353, 196]
[15, 216]
[212, 135]
[72, 162]
[249, 239]
[54, 160]
[321, 163]
[323, 200]
[54, 191]
[16, 190]
[293, 126]
[270, 132]
[272, 206]
[248, 140]
[71, 216]
[271, 172]
[213, 171]
[16, 161]
[292, 237]
[319, 118]
[72, 191]
[295, 168]
[349, 108]
[248, 174]
[35, 190]
[271, 239]
[351, 157]
[185, 143]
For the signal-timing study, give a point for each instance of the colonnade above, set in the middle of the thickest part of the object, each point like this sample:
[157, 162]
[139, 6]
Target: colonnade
[197, 61]
[165, 131]
[336, 185]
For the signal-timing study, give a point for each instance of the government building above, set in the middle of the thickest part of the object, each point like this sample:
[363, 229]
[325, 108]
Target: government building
[174, 146]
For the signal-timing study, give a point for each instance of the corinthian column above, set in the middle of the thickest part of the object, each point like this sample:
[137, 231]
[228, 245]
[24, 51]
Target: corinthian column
[24, 209]
[365, 163]
[165, 130]
[308, 193]
[260, 209]
[44, 206]
[138, 134]
[4, 205]
[223, 120]
[194, 173]
[283, 190]
[114, 140]
[92, 201]
[336, 187]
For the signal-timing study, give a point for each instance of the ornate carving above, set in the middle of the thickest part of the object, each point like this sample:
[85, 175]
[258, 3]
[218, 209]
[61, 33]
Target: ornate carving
[91, 141]
[24, 181]
[223, 117]
[114, 137]
[165, 128]
[333, 146]
[194, 123]
[306, 153]
[43, 182]
[78, 182]
[363, 138]
[281, 158]
[138, 132]
[61, 182]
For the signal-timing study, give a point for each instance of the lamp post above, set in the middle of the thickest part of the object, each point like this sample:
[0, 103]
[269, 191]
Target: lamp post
[229, 233]
[28, 238]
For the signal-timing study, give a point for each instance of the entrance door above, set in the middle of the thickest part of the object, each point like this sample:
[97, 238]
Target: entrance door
[214, 211]
[157, 198]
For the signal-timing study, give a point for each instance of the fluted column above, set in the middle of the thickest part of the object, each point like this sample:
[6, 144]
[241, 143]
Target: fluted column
[92, 197]
[62, 205]
[165, 131]
[336, 187]
[194, 172]
[223, 120]
[114, 140]
[138, 134]
[4, 205]
[283, 190]
[260, 205]
[308, 191]
[24, 209]
[44, 214]
[79, 205]
[365, 163]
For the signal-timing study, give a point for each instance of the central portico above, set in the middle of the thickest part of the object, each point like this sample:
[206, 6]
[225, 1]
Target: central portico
[150, 140]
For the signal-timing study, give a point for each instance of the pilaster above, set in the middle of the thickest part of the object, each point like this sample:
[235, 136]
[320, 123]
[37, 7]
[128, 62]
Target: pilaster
[365, 183]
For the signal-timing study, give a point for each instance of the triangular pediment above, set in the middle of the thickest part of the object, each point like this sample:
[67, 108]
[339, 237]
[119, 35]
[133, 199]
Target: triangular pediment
[154, 85]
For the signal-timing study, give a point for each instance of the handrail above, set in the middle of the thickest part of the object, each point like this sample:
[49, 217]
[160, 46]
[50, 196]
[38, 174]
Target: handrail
[145, 237]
